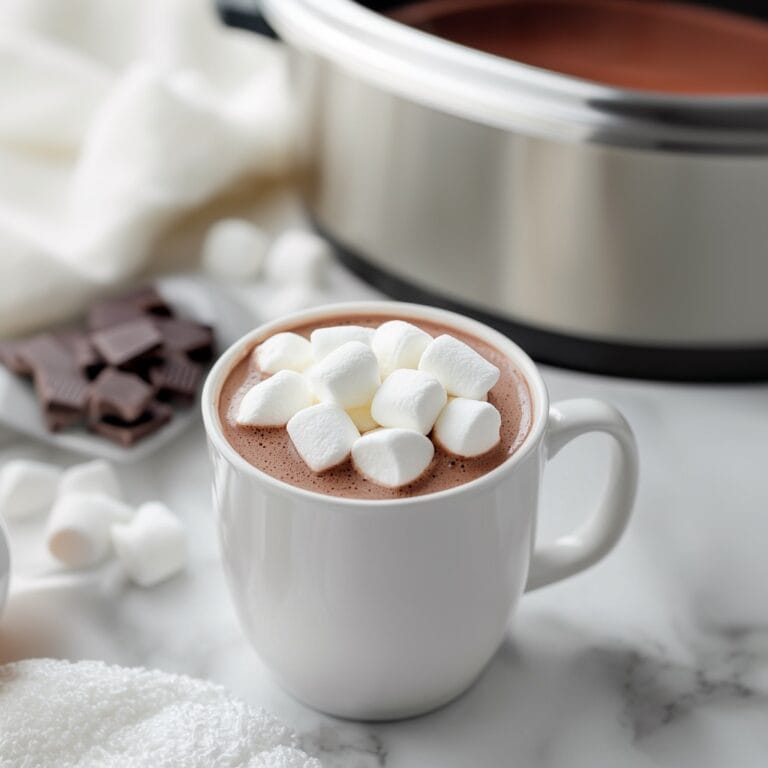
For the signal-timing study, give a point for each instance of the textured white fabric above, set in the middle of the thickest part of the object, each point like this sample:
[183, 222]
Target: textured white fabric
[119, 120]
[90, 715]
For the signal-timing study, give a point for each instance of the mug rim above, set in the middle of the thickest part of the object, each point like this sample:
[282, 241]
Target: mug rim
[235, 352]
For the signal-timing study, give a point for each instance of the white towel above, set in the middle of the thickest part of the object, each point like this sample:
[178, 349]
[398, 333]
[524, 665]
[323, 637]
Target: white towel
[118, 120]
[90, 715]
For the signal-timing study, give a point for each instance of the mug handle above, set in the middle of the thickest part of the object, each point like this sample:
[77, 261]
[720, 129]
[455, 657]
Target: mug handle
[599, 534]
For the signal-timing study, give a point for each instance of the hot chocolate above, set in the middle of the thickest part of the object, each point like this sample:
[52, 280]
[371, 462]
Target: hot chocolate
[271, 449]
[650, 45]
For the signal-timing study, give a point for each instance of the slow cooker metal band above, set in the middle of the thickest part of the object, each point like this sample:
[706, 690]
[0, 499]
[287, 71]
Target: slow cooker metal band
[701, 363]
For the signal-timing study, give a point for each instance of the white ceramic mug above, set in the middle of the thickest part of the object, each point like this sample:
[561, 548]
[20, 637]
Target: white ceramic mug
[390, 608]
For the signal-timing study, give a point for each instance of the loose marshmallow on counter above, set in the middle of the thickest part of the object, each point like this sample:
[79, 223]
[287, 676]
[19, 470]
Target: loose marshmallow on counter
[284, 351]
[392, 457]
[273, 401]
[398, 344]
[97, 476]
[408, 399]
[327, 340]
[27, 488]
[77, 533]
[152, 546]
[362, 418]
[234, 249]
[298, 256]
[348, 376]
[467, 428]
[462, 371]
[323, 435]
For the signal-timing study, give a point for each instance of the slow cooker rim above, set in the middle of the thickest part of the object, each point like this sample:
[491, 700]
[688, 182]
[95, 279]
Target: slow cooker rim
[477, 85]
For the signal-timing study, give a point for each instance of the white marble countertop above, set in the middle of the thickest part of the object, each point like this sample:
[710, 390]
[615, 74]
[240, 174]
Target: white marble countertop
[658, 656]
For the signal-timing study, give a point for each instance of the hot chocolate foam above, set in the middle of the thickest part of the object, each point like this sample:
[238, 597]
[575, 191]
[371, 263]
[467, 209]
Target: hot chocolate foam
[272, 451]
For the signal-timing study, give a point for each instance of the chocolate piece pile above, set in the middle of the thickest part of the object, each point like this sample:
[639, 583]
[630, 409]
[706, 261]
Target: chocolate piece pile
[119, 375]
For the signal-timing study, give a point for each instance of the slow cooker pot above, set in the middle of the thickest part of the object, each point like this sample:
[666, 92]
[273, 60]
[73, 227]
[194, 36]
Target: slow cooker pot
[605, 229]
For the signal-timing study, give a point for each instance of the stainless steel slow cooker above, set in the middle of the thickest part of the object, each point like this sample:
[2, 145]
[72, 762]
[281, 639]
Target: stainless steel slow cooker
[609, 230]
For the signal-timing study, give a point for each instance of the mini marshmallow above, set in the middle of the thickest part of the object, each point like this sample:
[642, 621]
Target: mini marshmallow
[78, 527]
[323, 435]
[409, 399]
[461, 370]
[97, 476]
[298, 256]
[392, 457]
[467, 428]
[273, 401]
[348, 376]
[152, 546]
[27, 488]
[326, 340]
[283, 351]
[398, 344]
[234, 249]
[362, 418]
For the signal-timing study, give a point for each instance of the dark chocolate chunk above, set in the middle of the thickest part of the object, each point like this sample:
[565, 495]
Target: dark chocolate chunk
[105, 314]
[115, 393]
[136, 353]
[143, 366]
[148, 300]
[130, 306]
[124, 343]
[59, 388]
[85, 356]
[193, 339]
[58, 418]
[128, 433]
[46, 352]
[12, 358]
[177, 378]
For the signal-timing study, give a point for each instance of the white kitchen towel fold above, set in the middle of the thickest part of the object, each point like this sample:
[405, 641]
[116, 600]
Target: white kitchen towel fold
[90, 715]
[119, 119]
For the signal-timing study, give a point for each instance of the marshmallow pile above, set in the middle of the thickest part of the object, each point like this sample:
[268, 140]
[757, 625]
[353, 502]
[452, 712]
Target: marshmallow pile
[296, 264]
[88, 519]
[374, 394]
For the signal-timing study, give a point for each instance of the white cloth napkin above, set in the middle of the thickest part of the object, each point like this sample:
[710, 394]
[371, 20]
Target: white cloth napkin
[119, 120]
[90, 715]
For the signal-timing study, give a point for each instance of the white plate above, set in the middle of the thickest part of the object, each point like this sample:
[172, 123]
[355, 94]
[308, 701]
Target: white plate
[195, 298]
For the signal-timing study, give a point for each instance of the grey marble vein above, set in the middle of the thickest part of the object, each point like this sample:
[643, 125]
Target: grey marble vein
[338, 747]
